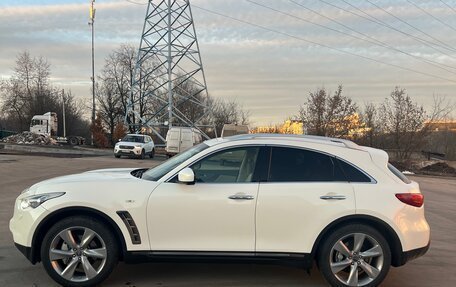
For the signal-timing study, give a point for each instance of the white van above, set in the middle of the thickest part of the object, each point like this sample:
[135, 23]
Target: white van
[179, 139]
[234, 129]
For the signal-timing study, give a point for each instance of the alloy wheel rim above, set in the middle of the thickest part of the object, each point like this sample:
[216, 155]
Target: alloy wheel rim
[78, 254]
[356, 259]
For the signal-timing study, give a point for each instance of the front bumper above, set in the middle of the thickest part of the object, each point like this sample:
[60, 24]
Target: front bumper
[27, 252]
[135, 151]
[24, 222]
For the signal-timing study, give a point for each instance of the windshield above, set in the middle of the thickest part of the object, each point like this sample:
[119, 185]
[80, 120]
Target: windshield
[133, 139]
[157, 172]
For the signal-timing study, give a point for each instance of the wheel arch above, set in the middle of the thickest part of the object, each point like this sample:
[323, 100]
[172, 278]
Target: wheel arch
[60, 214]
[384, 228]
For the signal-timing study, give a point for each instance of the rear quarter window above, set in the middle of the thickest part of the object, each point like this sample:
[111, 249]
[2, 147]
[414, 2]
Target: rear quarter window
[352, 173]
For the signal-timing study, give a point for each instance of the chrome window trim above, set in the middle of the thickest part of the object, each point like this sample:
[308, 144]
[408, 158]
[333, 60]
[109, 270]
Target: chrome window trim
[373, 180]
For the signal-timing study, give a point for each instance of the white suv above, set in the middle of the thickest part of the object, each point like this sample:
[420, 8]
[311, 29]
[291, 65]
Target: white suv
[135, 145]
[248, 197]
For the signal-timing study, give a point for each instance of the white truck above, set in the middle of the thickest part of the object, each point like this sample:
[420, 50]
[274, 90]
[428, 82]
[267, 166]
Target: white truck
[234, 129]
[47, 124]
[179, 139]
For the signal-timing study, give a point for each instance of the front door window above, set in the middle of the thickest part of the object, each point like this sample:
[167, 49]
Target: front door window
[235, 165]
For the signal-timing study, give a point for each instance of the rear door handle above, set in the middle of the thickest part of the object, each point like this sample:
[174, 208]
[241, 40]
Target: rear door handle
[333, 197]
[241, 197]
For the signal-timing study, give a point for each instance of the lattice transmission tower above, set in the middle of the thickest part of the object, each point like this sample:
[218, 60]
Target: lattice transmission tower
[168, 86]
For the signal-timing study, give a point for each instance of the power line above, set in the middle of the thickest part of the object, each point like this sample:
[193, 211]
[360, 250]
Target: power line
[432, 16]
[451, 7]
[419, 39]
[374, 40]
[322, 45]
[384, 24]
[412, 26]
[133, 2]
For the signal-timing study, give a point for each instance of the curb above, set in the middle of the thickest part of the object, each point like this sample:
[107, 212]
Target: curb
[49, 150]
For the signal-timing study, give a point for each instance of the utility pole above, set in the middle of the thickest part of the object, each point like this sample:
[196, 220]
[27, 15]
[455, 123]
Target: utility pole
[63, 111]
[91, 23]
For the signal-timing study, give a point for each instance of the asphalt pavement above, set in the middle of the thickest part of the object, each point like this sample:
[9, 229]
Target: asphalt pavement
[17, 172]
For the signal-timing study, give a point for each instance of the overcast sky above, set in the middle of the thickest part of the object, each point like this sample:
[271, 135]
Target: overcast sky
[270, 73]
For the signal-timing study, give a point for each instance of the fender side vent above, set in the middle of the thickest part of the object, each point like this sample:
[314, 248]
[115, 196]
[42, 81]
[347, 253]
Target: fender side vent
[131, 226]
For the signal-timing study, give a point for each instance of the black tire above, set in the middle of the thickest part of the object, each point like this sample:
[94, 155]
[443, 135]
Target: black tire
[143, 154]
[117, 155]
[77, 223]
[152, 153]
[73, 141]
[325, 255]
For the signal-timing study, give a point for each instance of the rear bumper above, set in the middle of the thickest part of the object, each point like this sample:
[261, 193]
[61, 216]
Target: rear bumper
[411, 255]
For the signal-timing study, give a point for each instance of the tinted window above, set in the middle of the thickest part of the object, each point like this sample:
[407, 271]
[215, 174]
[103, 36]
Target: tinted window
[352, 174]
[157, 172]
[294, 165]
[398, 173]
[133, 139]
[228, 166]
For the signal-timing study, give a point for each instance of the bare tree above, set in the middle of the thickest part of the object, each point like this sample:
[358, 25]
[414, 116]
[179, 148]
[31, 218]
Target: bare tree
[403, 121]
[229, 112]
[327, 115]
[109, 106]
[29, 92]
[118, 75]
[370, 118]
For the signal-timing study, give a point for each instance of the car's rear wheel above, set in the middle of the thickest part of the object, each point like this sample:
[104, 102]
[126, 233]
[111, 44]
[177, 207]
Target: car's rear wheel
[354, 255]
[79, 251]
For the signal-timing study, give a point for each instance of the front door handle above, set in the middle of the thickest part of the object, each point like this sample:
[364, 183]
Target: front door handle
[241, 197]
[333, 197]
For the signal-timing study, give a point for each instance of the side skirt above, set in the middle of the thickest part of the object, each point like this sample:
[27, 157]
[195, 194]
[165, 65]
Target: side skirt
[301, 260]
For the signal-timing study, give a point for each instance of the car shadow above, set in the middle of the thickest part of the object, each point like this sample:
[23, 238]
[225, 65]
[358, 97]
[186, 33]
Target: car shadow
[201, 275]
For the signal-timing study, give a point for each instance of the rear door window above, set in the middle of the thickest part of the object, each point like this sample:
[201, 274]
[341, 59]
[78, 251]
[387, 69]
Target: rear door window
[299, 165]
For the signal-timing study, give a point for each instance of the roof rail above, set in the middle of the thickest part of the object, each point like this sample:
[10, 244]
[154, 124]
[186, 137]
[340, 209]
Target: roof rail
[346, 143]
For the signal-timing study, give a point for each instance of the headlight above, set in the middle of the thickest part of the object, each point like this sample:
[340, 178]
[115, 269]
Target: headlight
[36, 200]
[138, 145]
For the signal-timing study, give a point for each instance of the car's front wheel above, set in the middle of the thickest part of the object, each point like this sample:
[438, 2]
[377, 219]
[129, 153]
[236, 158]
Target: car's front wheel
[152, 153]
[354, 255]
[79, 251]
[143, 154]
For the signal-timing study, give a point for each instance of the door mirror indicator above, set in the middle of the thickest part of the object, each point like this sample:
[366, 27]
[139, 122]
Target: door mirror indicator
[186, 176]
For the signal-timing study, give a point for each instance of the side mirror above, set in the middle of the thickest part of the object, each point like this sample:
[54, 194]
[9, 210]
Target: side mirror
[186, 176]
[120, 140]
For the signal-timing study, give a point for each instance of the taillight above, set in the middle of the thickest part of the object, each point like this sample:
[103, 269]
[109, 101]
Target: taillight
[413, 199]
